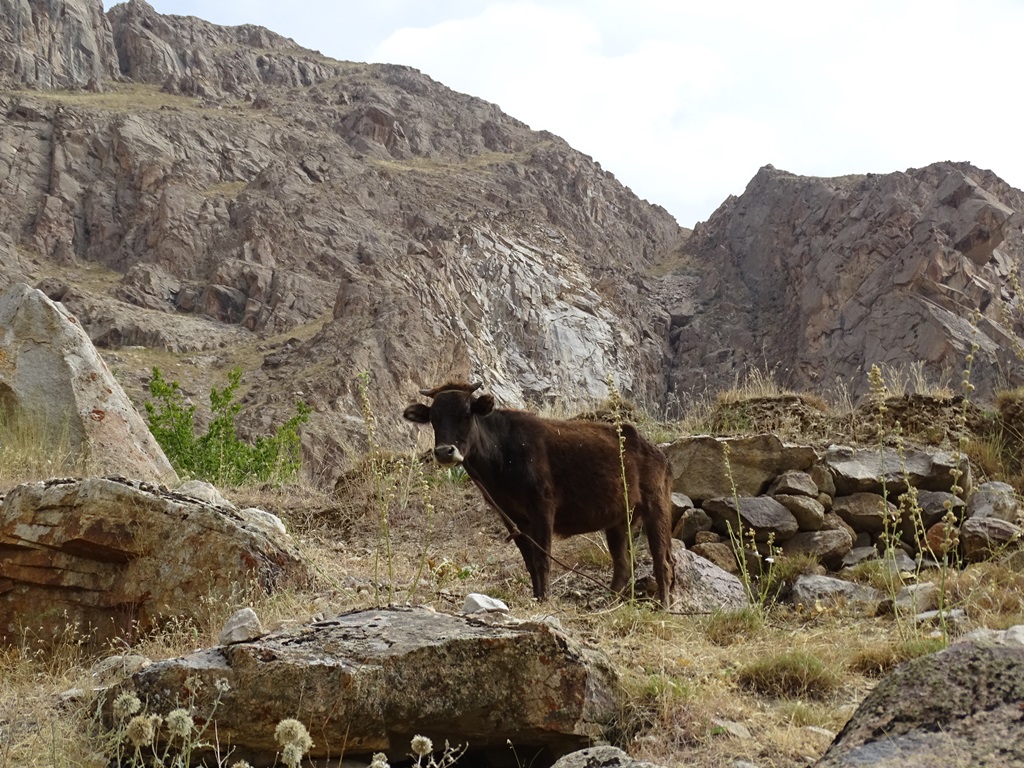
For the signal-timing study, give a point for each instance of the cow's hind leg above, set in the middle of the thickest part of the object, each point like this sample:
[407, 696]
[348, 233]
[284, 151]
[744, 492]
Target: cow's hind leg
[659, 541]
[618, 547]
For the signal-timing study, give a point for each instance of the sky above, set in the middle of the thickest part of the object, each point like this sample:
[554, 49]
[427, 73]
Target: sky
[683, 101]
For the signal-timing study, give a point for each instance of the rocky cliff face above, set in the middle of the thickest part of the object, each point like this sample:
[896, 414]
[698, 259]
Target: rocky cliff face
[824, 277]
[56, 44]
[215, 196]
[232, 196]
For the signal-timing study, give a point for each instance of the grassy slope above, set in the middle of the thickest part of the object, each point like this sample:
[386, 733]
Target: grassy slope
[790, 676]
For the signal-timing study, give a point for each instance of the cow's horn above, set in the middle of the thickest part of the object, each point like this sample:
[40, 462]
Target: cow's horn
[427, 392]
[475, 387]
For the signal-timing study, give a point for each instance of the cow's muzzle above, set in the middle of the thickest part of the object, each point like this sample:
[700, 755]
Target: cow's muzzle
[447, 455]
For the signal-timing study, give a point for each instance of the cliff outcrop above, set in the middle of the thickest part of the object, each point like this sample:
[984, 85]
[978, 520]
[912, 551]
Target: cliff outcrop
[824, 277]
[226, 194]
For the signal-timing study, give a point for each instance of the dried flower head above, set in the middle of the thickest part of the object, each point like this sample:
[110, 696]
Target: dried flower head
[179, 723]
[422, 746]
[380, 760]
[140, 731]
[222, 684]
[291, 731]
[241, 764]
[126, 705]
[291, 755]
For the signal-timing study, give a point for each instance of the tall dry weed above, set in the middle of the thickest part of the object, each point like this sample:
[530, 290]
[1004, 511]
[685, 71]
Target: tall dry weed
[34, 447]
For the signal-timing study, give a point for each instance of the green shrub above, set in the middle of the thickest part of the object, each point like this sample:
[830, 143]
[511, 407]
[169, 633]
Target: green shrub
[728, 627]
[793, 674]
[220, 456]
[879, 660]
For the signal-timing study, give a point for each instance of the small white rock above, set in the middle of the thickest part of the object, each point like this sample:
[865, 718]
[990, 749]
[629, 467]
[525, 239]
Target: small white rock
[243, 625]
[477, 603]
[265, 520]
[734, 729]
[1015, 635]
[200, 489]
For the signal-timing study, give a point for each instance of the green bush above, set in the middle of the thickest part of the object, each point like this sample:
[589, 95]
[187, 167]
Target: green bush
[220, 456]
[790, 674]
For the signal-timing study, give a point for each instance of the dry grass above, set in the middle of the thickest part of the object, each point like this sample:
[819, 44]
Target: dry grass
[116, 97]
[912, 379]
[404, 531]
[480, 161]
[754, 384]
[31, 448]
[228, 189]
[684, 675]
[791, 675]
[878, 660]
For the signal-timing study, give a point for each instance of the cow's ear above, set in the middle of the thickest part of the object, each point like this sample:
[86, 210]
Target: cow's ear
[483, 405]
[417, 413]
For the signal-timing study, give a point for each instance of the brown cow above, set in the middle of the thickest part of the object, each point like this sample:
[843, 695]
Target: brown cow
[548, 477]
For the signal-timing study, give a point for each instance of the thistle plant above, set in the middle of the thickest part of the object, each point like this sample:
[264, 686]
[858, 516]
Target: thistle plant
[949, 519]
[423, 754]
[879, 393]
[428, 507]
[294, 740]
[1012, 312]
[136, 739]
[384, 491]
[736, 536]
[617, 411]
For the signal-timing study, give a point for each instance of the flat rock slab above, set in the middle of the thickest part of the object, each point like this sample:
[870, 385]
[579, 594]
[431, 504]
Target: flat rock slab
[368, 681]
[601, 757]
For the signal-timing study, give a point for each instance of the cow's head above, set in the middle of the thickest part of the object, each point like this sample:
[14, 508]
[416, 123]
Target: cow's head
[453, 416]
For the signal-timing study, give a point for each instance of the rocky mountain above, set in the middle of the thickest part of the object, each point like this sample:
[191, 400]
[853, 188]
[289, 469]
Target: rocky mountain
[202, 197]
[820, 278]
[232, 197]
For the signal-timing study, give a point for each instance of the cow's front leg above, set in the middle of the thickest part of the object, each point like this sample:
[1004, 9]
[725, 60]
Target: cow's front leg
[541, 536]
[526, 549]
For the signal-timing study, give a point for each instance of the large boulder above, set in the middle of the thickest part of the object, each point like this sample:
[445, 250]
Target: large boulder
[766, 517]
[866, 512]
[957, 708]
[828, 547]
[809, 589]
[701, 585]
[985, 537]
[368, 681]
[601, 757]
[52, 377]
[114, 558]
[993, 500]
[870, 470]
[705, 467]
[809, 513]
